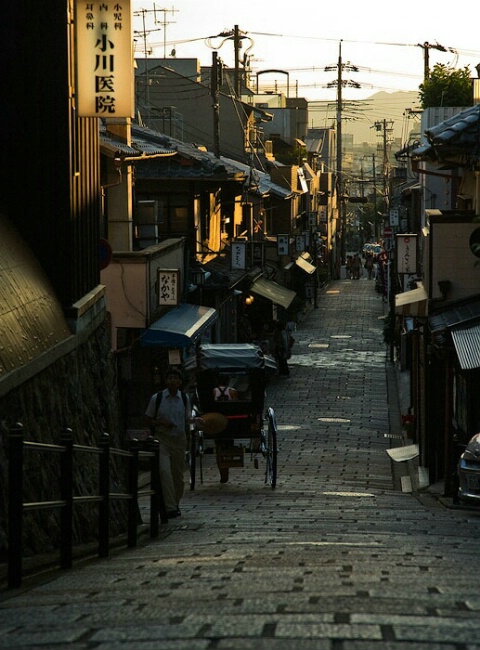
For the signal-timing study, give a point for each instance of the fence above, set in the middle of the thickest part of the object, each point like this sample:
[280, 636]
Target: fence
[68, 452]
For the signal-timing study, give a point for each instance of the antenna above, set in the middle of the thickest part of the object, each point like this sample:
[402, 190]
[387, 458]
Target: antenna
[164, 23]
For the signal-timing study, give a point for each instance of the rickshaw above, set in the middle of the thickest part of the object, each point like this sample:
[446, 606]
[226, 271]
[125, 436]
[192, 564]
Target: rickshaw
[236, 428]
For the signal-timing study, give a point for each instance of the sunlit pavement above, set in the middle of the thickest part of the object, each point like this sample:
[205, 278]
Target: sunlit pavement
[335, 558]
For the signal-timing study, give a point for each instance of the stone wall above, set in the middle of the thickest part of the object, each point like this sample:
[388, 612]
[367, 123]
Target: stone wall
[77, 392]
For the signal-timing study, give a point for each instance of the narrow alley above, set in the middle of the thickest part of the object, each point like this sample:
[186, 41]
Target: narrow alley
[335, 558]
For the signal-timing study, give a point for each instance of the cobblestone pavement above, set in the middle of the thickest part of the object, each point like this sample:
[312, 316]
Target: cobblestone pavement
[335, 558]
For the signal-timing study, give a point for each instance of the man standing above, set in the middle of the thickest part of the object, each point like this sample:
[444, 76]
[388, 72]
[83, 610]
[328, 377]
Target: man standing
[169, 412]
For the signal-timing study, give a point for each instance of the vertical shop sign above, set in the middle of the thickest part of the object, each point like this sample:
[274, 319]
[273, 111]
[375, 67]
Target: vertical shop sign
[406, 249]
[282, 244]
[104, 59]
[239, 260]
[257, 253]
[168, 287]
[300, 243]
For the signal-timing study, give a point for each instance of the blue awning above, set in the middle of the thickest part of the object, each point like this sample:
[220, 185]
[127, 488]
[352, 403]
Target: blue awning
[180, 327]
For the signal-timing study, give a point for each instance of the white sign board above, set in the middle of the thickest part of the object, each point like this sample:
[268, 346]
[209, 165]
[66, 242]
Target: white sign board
[239, 258]
[394, 217]
[168, 287]
[406, 253]
[104, 59]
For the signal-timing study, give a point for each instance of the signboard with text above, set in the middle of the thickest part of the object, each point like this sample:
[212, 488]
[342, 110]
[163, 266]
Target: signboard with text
[257, 249]
[104, 59]
[282, 244]
[168, 286]
[239, 258]
[406, 250]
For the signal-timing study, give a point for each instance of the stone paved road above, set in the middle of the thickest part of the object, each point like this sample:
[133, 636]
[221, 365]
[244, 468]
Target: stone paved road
[334, 559]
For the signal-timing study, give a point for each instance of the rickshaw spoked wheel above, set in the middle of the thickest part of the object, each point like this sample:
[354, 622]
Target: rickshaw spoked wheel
[271, 450]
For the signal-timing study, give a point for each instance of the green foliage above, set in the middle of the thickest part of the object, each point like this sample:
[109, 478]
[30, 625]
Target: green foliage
[291, 156]
[447, 87]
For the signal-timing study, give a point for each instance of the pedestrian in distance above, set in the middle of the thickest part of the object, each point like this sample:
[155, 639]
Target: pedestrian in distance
[348, 267]
[356, 267]
[169, 415]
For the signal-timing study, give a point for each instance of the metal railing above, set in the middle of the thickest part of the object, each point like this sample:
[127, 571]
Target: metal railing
[68, 451]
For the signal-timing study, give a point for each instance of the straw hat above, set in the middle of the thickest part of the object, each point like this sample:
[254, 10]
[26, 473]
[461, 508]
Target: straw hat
[214, 423]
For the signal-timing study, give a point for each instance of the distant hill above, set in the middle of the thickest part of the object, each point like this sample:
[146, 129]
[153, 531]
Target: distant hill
[359, 117]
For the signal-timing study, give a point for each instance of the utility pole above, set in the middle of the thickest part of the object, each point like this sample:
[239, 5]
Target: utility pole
[237, 36]
[215, 84]
[340, 83]
[426, 47]
[339, 155]
[236, 44]
[375, 198]
[386, 129]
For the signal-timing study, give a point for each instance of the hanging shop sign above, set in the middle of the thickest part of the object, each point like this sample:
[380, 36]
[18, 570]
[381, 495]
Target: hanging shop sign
[104, 59]
[406, 249]
[239, 257]
[257, 250]
[282, 244]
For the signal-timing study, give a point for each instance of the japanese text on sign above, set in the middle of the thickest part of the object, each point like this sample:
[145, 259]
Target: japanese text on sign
[406, 253]
[104, 59]
[168, 293]
[282, 244]
[239, 255]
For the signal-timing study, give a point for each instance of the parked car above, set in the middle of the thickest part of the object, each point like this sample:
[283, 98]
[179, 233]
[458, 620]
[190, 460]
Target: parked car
[469, 471]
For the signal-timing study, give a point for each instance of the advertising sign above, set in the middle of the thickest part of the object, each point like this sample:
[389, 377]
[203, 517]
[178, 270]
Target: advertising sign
[168, 287]
[406, 253]
[239, 258]
[282, 244]
[257, 253]
[104, 59]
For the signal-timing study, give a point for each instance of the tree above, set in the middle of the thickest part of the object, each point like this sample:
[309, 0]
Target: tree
[447, 87]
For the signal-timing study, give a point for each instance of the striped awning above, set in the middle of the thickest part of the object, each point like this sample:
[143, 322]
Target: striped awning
[412, 303]
[467, 345]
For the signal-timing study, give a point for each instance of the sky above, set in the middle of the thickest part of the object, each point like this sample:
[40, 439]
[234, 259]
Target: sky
[385, 42]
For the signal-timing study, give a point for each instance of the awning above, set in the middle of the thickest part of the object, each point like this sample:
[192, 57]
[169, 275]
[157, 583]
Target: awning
[305, 265]
[180, 327]
[272, 291]
[467, 346]
[412, 303]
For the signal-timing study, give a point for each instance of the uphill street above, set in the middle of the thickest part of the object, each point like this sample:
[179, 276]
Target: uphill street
[337, 557]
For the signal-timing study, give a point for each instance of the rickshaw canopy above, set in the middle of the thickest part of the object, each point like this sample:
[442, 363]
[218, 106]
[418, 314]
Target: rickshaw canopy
[234, 357]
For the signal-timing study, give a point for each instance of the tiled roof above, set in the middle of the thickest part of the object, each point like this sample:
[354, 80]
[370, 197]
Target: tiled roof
[140, 148]
[459, 135]
[260, 182]
[190, 162]
[460, 128]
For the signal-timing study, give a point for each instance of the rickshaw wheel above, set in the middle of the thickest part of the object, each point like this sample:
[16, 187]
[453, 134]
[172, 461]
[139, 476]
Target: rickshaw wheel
[196, 450]
[271, 450]
[193, 460]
